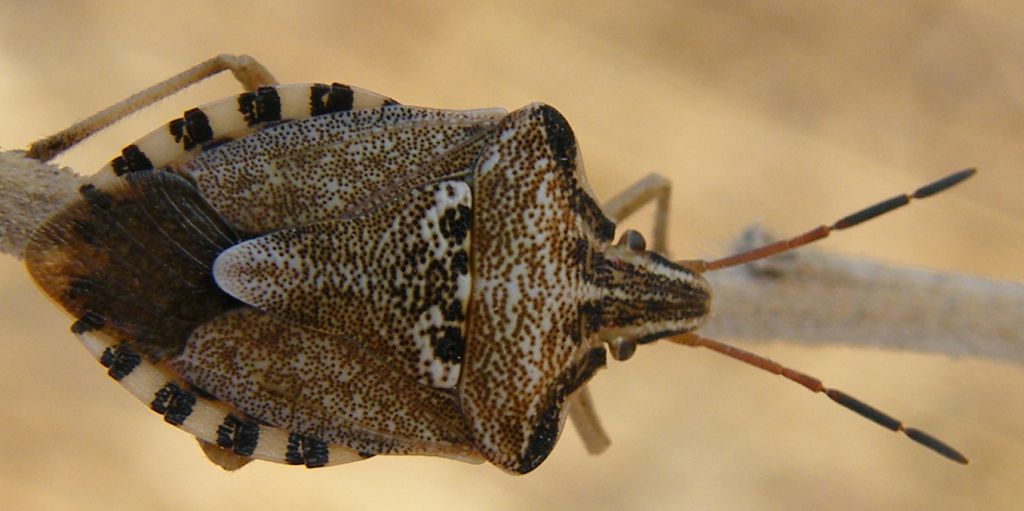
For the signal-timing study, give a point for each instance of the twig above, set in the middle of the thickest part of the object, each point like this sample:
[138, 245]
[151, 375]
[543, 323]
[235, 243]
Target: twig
[818, 299]
[30, 191]
[806, 296]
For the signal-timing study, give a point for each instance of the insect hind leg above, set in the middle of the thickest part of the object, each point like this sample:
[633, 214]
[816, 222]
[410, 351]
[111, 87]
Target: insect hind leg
[249, 72]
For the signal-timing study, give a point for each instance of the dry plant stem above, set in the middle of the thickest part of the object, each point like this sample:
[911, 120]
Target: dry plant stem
[818, 299]
[30, 191]
[804, 296]
[807, 296]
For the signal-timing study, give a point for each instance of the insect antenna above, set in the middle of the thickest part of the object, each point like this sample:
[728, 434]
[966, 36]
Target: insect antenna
[823, 231]
[811, 383]
[815, 385]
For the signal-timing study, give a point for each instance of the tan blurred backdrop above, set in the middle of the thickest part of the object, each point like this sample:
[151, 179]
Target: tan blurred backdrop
[789, 115]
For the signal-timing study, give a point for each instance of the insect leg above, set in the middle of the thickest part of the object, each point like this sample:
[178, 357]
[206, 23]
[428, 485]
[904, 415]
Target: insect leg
[588, 425]
[250, 73]
[815, 385]
[651, 188]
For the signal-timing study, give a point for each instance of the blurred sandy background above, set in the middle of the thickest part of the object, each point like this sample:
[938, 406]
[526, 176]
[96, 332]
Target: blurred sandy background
[790, 115]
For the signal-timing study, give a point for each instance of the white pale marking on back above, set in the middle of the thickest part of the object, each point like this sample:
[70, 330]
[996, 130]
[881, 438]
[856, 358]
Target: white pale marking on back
[437, 373]
[447, 198]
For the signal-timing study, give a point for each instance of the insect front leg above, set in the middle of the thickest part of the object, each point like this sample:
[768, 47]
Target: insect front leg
[652, 187]
[250, 73]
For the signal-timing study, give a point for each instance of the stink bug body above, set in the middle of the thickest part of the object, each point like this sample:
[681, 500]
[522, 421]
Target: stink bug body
[315, 274]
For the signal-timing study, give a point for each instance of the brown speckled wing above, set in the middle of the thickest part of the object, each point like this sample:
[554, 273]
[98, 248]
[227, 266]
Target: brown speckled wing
[319, 385]
[334, 165]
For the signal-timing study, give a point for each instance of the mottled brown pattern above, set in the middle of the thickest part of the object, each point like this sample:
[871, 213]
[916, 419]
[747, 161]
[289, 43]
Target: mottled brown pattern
[395, 280]
[331, 165]
[528, 284]
[319, 385]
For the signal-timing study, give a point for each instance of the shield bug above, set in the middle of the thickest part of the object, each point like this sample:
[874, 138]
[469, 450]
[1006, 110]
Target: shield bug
[315, 274]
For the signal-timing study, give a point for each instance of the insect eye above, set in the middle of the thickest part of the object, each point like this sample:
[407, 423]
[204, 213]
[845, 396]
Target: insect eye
[633, 240]
[621, 348]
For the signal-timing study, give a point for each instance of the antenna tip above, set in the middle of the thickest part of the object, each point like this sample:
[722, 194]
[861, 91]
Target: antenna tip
[936, 445]
[942, 184]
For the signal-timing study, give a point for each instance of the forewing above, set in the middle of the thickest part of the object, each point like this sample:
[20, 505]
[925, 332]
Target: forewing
[333, 165]
[319, 385]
